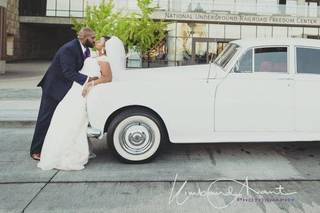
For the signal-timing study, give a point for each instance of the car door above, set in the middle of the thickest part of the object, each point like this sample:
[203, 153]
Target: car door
[258, 95]
[307, 89]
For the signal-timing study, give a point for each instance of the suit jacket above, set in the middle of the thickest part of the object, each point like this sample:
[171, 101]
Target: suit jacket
[64, 70]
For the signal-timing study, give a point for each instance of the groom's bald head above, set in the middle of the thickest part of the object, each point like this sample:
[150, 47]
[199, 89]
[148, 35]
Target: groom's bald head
[87, 36]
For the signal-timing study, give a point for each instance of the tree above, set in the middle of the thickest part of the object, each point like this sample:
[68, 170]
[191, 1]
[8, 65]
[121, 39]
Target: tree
[137, 30]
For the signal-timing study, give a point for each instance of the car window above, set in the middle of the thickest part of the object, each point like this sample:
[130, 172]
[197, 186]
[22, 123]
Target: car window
[270, 59]
[308, 60]
[245, 63]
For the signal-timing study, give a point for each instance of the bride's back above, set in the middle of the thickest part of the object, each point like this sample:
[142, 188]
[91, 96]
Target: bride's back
[91, 67]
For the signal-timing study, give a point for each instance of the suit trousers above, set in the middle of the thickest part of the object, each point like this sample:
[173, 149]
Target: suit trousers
[47, 108]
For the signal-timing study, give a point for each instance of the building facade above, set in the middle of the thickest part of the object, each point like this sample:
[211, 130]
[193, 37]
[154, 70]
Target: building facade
[198, 29]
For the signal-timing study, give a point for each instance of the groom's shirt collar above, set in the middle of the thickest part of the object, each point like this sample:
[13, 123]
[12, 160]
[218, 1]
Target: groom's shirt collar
[82, 47]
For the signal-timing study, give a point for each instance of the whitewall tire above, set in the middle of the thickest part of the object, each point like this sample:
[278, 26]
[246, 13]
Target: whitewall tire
[135, 135]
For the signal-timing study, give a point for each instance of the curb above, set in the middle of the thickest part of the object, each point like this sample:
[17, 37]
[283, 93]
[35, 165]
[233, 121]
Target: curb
[17, 124]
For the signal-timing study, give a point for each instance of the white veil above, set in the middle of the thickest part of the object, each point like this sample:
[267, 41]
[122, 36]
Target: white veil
[116, 56]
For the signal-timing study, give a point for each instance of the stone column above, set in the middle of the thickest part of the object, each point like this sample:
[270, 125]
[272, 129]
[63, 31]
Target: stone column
[171, 44]
[3, 5]
[13, 29]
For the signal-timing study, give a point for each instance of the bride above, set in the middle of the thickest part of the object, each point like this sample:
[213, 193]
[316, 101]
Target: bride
[66, 145]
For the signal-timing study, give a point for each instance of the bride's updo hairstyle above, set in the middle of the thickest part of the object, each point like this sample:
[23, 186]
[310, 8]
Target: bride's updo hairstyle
[107, 37]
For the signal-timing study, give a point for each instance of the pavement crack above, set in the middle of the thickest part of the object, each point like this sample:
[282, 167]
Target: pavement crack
[36, 195]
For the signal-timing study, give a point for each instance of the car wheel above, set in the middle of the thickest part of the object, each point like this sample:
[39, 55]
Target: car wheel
[135, 135]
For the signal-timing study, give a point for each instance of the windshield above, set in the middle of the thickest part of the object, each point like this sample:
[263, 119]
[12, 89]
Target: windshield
[225, 56]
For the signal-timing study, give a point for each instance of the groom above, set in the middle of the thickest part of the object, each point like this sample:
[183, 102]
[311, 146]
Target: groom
[63, 71]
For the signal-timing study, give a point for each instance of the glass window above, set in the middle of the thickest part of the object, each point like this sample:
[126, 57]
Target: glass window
[186, 45]
[270, 59]
[213, 50]
[179, 49]
[96, 2]
[306, 62]
[247, 6]
[183, 49]
[176, 6]
[222, 5]
[163, 5]
[76, 8]
[185, 29]
[310, 32]
[51, 4]
[51, 7]
[201, 52]
[245, 63]
[63, 8]
[192, 30]
[200, 30]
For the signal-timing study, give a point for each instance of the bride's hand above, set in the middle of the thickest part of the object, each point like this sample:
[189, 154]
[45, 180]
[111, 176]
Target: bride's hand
[87, 87]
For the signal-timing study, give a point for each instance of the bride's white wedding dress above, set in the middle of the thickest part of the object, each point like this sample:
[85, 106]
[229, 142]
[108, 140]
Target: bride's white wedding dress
[66, 144]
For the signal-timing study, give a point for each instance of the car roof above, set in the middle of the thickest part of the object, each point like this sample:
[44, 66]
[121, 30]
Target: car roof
[277, 41]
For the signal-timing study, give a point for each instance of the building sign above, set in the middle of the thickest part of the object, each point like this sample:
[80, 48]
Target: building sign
[231, 18]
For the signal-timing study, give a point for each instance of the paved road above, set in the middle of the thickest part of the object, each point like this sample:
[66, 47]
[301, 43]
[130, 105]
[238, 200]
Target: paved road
[109, 186]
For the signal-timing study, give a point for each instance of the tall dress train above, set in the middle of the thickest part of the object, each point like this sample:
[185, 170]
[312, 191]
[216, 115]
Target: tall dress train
[66, 145]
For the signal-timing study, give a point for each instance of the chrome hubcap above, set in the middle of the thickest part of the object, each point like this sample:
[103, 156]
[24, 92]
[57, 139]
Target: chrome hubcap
[136, 138]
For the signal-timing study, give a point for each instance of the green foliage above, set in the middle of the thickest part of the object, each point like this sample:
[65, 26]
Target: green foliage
[136, 30]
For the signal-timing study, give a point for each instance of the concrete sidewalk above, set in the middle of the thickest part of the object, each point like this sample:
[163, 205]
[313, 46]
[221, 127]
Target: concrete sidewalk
[19, 96]
[23, 75]
[18, 113]
[15, 112]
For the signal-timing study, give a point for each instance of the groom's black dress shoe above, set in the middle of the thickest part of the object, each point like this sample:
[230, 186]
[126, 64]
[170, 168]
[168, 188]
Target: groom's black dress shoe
[36, 156]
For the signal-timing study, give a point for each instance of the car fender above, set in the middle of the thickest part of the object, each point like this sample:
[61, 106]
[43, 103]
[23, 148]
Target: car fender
[185, 108]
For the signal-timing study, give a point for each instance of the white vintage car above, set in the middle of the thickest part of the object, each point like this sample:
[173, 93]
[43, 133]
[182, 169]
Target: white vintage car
[256, 90]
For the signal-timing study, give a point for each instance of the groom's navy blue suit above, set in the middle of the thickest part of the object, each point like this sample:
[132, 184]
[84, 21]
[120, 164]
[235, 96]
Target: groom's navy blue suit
[57, 81]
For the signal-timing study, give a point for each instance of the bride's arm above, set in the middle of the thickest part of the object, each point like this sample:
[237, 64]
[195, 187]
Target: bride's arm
[106, 74]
